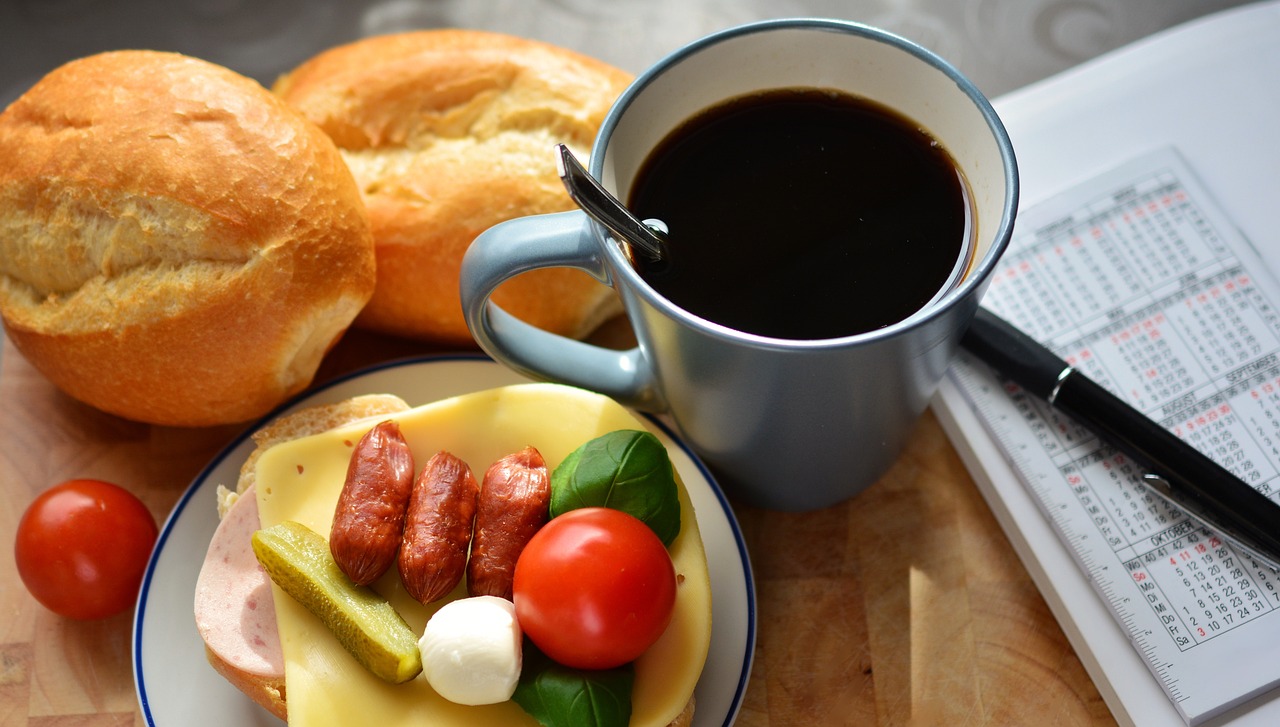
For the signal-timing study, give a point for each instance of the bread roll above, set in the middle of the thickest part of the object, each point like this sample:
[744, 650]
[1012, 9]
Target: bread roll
[449, 132]
[255, 664]
[177, 246]
[223, 576]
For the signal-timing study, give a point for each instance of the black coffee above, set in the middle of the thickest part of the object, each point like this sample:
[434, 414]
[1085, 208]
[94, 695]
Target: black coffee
[802, 214]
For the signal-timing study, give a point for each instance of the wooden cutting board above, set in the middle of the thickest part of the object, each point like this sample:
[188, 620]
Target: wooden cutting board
[906, 605]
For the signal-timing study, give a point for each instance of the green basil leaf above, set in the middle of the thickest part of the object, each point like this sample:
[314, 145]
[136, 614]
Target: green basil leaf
[626, 470]
[560, 696]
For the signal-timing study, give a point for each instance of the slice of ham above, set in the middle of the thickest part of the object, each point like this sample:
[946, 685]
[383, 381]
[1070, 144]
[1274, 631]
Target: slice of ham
[234, 609]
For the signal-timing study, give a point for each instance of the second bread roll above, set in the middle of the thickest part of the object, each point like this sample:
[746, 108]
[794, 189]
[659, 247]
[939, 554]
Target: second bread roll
[449, 132]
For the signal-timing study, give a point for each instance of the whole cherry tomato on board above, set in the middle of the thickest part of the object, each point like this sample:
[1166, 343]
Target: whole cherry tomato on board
[83, 546]
[594, 588]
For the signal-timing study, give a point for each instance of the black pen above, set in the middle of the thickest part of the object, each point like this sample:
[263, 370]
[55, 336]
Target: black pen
[1176, 471]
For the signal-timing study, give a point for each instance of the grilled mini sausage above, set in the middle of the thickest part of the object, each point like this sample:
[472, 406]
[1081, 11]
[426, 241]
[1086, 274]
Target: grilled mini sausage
[437, 531]
[369, 517]
[514, 502]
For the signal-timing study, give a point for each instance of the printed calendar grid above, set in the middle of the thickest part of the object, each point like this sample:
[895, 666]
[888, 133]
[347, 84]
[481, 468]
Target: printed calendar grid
[1139, 291]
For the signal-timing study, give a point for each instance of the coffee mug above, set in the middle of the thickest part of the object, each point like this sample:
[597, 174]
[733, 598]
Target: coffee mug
[786, 423]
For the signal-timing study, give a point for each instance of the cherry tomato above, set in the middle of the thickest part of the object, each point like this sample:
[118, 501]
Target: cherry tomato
[594, 588]
[83, 546]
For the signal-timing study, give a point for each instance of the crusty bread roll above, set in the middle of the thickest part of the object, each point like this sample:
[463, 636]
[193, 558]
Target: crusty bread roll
[224, 642]
[312, 420]
[177, 245]
[449, 132]
[264, 683]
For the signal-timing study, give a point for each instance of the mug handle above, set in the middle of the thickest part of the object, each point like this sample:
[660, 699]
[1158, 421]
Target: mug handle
[561, 239]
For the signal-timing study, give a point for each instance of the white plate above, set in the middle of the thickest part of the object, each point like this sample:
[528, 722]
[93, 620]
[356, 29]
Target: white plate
[177, 688]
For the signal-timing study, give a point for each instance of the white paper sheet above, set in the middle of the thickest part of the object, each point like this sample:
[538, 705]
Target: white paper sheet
[1208, 90]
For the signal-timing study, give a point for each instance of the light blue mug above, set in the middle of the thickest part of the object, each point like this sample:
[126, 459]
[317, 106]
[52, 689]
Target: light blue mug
[786, 424]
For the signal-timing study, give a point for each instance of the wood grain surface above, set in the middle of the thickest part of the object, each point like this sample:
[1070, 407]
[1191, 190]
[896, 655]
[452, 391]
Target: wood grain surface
[903, 606]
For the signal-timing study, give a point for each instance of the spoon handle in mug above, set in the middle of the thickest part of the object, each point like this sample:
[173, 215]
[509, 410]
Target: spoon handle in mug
[604, 207]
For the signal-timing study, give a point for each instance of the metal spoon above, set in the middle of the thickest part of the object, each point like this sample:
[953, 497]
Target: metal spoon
[595, 200]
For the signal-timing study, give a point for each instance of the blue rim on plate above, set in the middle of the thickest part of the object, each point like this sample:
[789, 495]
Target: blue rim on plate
[737, 683]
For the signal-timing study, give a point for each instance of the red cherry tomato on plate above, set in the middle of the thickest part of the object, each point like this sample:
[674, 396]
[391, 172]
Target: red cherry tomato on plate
[83, 546]
[594, 588]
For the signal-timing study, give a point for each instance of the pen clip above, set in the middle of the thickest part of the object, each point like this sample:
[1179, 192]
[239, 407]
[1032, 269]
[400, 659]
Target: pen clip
[1202, 515]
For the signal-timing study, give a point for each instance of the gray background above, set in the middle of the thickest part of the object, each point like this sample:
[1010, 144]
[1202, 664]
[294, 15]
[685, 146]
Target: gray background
[1000, 44]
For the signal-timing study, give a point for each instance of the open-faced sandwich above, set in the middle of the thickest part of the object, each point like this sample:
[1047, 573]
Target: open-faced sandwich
[546, 566]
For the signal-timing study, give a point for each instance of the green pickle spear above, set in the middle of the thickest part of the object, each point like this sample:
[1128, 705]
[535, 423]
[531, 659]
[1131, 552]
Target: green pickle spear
[365, 623]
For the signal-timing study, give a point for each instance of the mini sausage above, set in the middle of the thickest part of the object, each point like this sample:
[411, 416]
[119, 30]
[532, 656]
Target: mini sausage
[369, 517]
[437, 531]
[514, 504]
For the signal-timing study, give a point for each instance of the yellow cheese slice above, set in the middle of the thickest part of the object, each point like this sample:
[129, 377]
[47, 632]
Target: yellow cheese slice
[300, 480]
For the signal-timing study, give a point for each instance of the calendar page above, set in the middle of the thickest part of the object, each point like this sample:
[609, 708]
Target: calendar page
[1138, 280]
